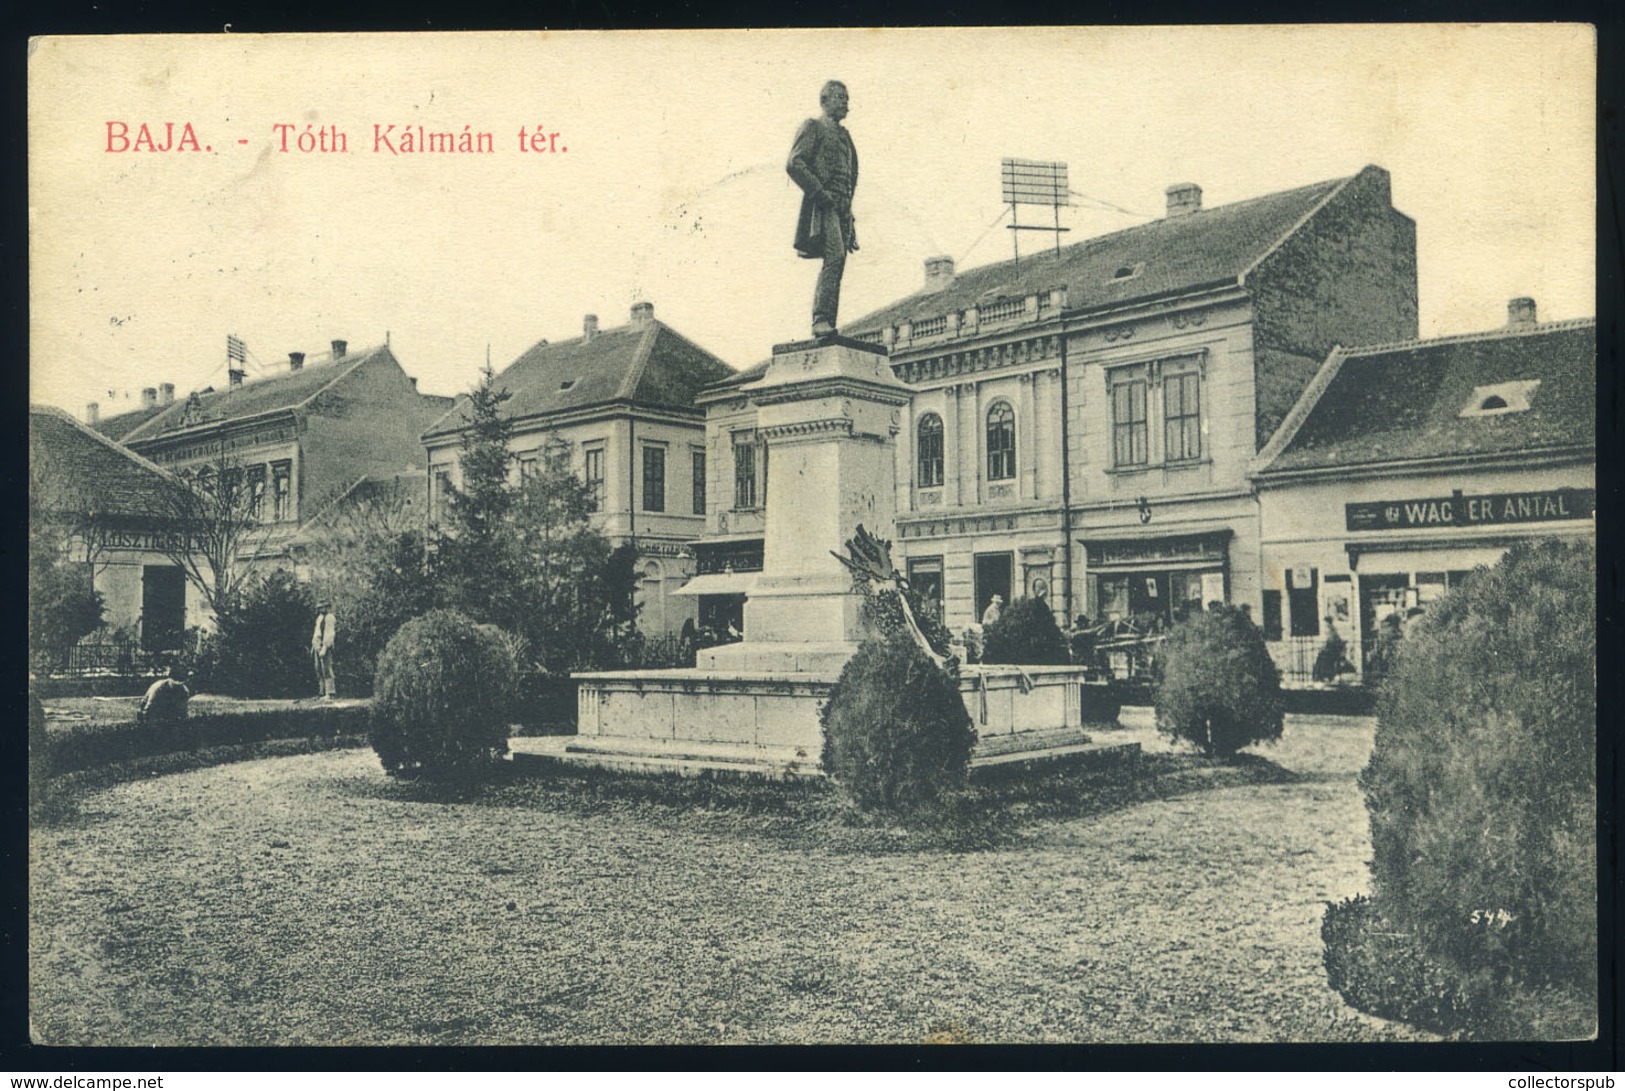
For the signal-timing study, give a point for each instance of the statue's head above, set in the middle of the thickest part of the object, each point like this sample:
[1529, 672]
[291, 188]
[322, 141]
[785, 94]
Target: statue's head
[833, 98]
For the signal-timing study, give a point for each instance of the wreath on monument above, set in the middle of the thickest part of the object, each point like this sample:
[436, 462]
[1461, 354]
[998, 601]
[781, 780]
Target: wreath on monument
[891, 606]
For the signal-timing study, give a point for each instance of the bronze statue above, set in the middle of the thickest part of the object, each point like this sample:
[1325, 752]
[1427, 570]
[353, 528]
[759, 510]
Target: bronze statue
[824, 163]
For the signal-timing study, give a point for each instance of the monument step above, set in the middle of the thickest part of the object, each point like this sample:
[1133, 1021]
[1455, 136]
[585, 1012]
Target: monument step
[671, 759]
[1086, 755]
[988, 746]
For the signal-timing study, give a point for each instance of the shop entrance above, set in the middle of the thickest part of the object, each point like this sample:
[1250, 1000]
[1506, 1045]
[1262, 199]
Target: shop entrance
[163, 607]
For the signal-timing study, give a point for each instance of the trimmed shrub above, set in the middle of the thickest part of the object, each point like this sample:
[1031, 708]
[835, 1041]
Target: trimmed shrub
[1025, 633]
[442, 697]
[1481, 786]
[1381, 970]
[897, 737]
[262, 648]
[1215, 685]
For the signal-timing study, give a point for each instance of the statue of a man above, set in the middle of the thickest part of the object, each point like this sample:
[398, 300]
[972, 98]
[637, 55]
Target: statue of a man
[824, 164]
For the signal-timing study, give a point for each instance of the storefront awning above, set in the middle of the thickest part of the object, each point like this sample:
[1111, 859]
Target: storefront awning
[720, 583]
[1394, 558]
[1170, 552]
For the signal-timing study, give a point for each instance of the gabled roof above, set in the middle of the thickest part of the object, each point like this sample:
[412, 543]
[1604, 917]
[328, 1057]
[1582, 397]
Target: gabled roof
[122, 424]
[282, 391]
[651, 366]
[1205, 248]
[81, 472]
[1400, 402]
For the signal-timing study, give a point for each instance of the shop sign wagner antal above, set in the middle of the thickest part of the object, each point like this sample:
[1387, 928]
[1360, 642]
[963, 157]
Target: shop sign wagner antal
[1459, 510]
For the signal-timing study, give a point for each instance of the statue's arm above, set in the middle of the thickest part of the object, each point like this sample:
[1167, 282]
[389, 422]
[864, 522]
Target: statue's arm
[802, 153]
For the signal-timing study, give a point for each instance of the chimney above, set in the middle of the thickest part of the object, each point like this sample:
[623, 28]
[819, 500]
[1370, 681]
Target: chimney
[296, 360]
[413, 379]
[93, 413]
[1521, 311]
[589, 327]
[643, 313]
[149, 397]
[166, 393]
[236, 375]
[1183, 199]
[338, 349]
[939, 273]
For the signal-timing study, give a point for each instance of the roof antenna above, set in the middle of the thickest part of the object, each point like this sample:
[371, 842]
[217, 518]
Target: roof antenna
[386, 339]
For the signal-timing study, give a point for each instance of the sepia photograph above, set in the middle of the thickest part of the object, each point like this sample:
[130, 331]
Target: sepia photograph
[530, 545]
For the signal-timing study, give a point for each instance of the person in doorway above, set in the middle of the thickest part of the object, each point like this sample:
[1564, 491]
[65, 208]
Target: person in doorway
[321, 650]
[166, 699]
[995, 609]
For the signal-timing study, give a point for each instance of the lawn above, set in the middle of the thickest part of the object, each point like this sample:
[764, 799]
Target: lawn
[310, 900]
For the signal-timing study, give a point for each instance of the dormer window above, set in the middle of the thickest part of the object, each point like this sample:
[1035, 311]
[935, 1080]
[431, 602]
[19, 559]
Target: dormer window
[1496, 399]
[567, 384]
[1128, 272]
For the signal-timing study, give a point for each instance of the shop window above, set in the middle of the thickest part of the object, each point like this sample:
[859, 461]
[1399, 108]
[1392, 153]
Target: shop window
[1272, 615]
[1113, 596]
[654, 479]
[592, 474]
[1303, 601]
[1001, 442]
[1129, 436]
[744, 476]
[994, 575]
[1181, 416]
[929, 451]
[699, 482]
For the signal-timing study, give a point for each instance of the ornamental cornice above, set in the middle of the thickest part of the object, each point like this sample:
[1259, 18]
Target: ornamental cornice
[843, 386]
[836, 425]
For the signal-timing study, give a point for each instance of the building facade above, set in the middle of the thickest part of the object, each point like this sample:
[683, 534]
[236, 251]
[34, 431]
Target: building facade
[1404, 467]
[1085, 420]
[301, 438]
[117, 514]
[622, 401]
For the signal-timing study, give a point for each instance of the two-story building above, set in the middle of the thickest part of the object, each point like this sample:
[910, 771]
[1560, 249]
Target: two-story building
[623, 400]
[302, 437]
[1405, 466]
[1085, 420]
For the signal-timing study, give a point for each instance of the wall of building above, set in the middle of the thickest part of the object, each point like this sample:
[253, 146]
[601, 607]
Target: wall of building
[1347, 276]
[369, 423]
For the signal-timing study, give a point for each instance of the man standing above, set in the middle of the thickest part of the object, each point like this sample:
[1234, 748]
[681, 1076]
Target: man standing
[824, 163]
[321, 650]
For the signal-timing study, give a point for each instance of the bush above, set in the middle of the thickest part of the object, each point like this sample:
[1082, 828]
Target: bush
[1215, 685]
[1481, 786]
[442, 697]
[262, 648]
[897, 737]
[1382, 971]
[1025, 633]
[62, 608]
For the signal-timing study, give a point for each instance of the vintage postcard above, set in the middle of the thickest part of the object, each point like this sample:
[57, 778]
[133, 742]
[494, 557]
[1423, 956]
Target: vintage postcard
[1043, 535]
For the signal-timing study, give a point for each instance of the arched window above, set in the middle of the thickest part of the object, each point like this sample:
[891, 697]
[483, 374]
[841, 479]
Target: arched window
[928, 451]
[1001, 442]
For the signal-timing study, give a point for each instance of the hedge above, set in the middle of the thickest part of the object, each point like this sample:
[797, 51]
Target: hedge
[73, 747]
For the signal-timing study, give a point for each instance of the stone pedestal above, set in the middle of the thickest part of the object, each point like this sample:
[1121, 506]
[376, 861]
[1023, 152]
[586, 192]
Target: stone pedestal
[829, 412]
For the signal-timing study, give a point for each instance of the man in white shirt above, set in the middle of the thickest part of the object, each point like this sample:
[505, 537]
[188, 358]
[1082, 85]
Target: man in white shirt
[321, 650]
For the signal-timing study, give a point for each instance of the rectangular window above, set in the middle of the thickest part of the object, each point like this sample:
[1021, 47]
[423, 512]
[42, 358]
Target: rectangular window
[439, 494]
[699, 482]
[925, 577]
[744, 476]
[282, 491]
[527, 467]
[1181, 416]
[592, 473]
[1272, 615]
[1129, 441]
[654, 479]
[256, 492]
[1303, 601]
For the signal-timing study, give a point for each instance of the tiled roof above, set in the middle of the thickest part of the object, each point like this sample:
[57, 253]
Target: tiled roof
[1388, 403]
[1197, 249]
[650, 365]
[122, 424]
[283, 390]
[82, 472]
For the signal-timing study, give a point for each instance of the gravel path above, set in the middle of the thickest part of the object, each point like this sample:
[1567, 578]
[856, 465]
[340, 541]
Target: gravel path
[306, 900]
